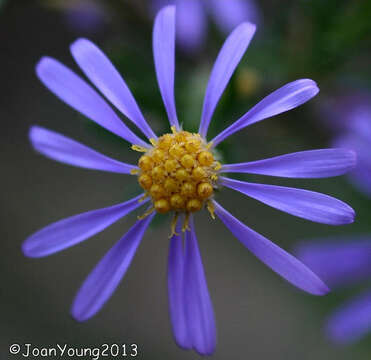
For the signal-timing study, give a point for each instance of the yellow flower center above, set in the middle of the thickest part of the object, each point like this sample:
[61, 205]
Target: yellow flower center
[178, 173]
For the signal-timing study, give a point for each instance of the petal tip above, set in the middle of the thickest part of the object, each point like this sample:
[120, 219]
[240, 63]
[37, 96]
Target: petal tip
[346, 219]
[170, 9]
[41, 64]
[32, 131]
[76, 315]
[248, 27]
[350, 216]
[80, 44]
[312, 85]
[78, 312]
[36, 134]
[81, 40]
[322, 290]
[25, 249]
[28, 250]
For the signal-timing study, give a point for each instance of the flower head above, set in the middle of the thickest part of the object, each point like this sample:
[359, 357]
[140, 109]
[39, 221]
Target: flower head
[179, 172]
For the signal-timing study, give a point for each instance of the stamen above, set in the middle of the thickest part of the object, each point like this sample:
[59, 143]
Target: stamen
[173, 225]
[143, 198]
[177, 172]
[186, 223]
[211, 209]
[217, 166]
[209, 145]
[134, 171]
[148, 212]
[139, 148]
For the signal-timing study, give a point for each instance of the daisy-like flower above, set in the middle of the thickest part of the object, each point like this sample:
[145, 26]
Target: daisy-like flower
[179, 173]
[344, 262]
[349, 116]
[341, 263]
[86, 16]
[192, 18]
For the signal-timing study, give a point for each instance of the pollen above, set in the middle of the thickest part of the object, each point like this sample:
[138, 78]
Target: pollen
[158, 156]
[205, 158]
[177, 201]
[177, 151]
[162, 206]
[170, 165]
[194, 205]
[145, 181]
[199, 173]
[188, 189]
[179, 173]
[204, 190]
[157, 191]
[182, 175]
[158, 173]
[187, 161]
[145, 163]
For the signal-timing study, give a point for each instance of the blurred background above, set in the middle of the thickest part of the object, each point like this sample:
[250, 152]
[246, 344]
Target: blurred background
[259, 315]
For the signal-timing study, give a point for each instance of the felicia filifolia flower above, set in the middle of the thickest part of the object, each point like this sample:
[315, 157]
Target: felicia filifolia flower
[343, 262]
[179, 172]
[349, 116]
[86, 16]
[192, 17]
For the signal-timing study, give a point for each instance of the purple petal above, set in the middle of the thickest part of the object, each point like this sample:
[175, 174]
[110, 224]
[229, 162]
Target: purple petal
[337, 262]
[273, 256]
[104, 279]
[99, 69]
[190, 24]
[75, 229]
[229, 57]
[304, 164]
[199, 309]
[360, 176]
[230, 13]
[306, 204]
[164, 56]
[284, 99]
[74, 91]
[347, 112]
[61, 148]
[175, 281]
[352, 321]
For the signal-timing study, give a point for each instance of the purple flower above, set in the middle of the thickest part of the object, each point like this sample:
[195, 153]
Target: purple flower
[345, 262]
[179, 172]
[350, 117]
[341, 263]
[192, 17]
[82, 15]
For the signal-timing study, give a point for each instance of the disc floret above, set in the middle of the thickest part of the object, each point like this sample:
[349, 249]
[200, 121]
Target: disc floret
[179, 172]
